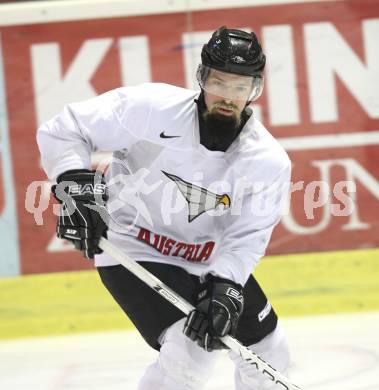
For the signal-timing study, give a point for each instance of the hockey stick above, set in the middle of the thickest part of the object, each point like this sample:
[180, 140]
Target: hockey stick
[246, 354]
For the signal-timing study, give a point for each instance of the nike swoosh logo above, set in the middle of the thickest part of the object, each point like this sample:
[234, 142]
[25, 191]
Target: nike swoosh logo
[163, 135]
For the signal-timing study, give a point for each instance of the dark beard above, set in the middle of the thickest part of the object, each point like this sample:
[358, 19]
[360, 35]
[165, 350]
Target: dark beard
[219, 130]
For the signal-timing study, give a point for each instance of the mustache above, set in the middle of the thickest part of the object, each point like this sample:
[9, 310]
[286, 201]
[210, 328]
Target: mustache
[224, 106]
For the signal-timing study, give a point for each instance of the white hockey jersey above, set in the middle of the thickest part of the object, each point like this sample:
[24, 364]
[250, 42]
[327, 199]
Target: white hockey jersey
[172, 200]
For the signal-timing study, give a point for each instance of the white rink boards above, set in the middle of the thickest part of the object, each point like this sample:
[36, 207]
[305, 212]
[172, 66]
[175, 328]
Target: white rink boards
[334, 352]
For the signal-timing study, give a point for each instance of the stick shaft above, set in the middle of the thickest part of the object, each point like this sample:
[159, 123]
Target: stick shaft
[179, 302]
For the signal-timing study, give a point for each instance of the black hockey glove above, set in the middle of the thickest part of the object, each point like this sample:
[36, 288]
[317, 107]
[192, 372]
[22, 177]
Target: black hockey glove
[220, 304]
[83, 217]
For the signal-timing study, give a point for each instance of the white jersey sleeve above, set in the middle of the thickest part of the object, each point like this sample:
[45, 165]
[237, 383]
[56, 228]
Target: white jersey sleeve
[247, 235]
[108, 122]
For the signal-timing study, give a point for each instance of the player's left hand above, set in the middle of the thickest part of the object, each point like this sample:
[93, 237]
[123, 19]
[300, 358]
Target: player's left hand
[220, 304]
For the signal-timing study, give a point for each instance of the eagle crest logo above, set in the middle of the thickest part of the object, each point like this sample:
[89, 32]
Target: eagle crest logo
[199, 199]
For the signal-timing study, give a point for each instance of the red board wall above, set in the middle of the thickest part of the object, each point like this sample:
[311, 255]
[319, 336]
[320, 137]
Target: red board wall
[167, 66]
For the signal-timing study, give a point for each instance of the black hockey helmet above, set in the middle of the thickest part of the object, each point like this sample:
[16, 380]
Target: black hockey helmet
[234, 51]
[237, 52]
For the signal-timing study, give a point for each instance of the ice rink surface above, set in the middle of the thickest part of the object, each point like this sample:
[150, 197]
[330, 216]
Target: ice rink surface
[334, 352]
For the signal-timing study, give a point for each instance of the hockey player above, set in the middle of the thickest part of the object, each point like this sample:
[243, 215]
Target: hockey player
[184, 194]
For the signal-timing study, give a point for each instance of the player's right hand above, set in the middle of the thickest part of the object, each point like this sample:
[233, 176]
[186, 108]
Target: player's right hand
[83, 216]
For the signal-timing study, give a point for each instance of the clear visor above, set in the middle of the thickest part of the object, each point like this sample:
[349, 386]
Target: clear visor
[229, 85]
